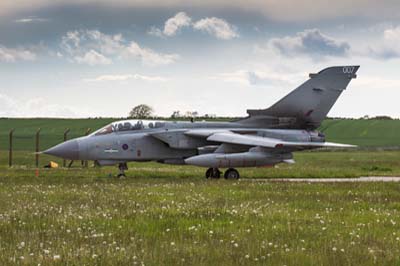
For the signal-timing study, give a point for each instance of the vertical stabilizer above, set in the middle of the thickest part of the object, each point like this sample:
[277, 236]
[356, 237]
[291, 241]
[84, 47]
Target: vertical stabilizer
[310, 103]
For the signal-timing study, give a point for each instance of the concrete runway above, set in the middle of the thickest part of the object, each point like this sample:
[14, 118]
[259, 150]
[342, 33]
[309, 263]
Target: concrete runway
[330, 180]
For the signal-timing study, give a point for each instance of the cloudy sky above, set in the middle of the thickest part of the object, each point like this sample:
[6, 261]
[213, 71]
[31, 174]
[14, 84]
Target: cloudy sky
[80, 58]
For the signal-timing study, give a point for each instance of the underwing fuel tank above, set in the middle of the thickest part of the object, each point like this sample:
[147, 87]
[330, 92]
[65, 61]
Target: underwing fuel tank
[244, 159]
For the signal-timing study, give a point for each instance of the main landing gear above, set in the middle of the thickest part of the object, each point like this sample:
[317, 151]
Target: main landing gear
[231, 173]
[213, 173]
[122, 167]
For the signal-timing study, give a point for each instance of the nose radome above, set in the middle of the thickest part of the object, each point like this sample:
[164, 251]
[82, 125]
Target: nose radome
[66, 150]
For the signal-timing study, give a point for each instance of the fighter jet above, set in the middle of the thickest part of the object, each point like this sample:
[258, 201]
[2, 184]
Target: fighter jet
[265, 137]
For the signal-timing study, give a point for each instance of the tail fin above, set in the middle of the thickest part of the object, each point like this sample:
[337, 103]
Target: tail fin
[310, 103]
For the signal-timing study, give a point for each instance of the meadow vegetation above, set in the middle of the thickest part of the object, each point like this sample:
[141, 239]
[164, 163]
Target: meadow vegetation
[171, 215]
[83, 217]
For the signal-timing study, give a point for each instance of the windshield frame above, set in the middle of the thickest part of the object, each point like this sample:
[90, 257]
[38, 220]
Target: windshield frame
[128, 125]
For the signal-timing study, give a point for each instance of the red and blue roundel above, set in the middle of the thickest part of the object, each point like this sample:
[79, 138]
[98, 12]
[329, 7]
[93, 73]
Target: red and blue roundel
[125, 147]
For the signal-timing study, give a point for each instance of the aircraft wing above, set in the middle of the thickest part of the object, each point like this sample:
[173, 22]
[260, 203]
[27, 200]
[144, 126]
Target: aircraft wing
[252, 140]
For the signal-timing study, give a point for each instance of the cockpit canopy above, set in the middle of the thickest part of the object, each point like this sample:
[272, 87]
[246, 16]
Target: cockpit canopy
[128, 125]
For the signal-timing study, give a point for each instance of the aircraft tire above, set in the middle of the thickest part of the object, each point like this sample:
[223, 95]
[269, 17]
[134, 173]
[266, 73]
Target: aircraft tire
[213, 173]
[209, 173]
[231, 173]
[216, 173]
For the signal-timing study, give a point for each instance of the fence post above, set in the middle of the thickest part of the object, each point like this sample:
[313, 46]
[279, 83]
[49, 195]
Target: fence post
[37, 147]
[10, 149]
[85, 163]
[65, 139]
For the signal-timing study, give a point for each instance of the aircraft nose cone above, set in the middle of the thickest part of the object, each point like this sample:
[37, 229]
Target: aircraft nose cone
[66, 150]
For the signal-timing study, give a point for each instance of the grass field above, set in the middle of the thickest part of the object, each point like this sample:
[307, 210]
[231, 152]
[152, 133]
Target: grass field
[171, 215]
[363, 132]
[168, 217]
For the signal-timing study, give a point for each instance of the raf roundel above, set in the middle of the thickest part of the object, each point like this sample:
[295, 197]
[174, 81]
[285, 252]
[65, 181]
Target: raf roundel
[125, 147]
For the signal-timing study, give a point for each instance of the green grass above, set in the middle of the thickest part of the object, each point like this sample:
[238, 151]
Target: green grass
[171, 215]
[339, 164]
[369, 133]
[363, 132]
[81, 217]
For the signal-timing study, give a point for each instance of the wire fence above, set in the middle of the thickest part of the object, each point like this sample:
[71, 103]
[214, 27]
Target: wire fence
[24, 148]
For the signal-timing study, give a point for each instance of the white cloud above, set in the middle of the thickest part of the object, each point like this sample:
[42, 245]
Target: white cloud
[93, 47]
[31, 20]
[216, 27]
[392, 35]
[155, 32]
[78, 41]
[16, 54]
[93, 58]
[174, 24]
[108, 44]
[37, 107]
[150, 57]
[389, 47]
[126, 77]
[70, 42]
[309, 42]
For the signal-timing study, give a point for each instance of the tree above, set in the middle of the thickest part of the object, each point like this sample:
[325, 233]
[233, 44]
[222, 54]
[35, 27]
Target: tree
[176, 114]
[141, 111]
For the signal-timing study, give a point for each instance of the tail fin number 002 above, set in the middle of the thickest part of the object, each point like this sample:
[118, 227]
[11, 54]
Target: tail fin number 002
[348, 69]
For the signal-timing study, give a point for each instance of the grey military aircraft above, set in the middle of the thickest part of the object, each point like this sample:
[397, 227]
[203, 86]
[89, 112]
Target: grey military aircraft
[264, 138]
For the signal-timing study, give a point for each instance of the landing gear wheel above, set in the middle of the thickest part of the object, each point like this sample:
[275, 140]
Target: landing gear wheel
[122, 167]
[231, 173]
[209, 173]
[213, 173]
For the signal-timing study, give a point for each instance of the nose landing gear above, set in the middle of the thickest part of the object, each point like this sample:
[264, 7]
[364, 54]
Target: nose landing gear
[122, 167]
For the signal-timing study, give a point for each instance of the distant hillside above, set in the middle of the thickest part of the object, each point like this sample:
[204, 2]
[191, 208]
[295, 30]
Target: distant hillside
[381, 133]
